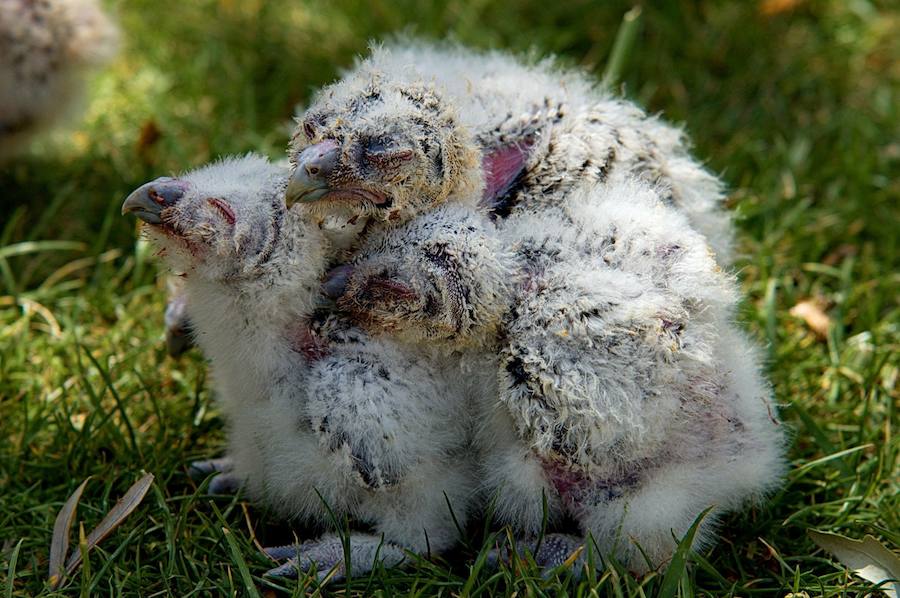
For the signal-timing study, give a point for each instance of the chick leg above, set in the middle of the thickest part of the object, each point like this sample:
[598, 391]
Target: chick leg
[223, 482]
[178, 324]
[326, 554]
[552, 551]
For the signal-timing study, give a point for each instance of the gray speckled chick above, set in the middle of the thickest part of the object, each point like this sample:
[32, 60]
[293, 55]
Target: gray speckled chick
[318, 412]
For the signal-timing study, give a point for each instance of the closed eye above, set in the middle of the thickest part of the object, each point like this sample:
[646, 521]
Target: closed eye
[388, 157]
[223, 208]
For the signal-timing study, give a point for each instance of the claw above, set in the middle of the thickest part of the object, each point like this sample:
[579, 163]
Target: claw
[224, 481]
[289, 570]
[326, 555]
[280, 553]
[200, 469]
[555, 550]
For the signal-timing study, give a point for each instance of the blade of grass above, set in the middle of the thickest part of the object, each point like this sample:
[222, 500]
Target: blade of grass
[59, 544]
[11, 571]
[112, 389]
[622, 47]
[238, 558]
[677, 568]
[83, 552]
[37, 246]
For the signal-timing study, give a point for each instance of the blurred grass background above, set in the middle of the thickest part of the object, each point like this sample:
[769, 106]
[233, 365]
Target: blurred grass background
[795, 102]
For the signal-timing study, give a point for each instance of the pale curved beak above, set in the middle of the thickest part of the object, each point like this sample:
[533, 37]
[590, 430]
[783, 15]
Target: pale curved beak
[315, 164]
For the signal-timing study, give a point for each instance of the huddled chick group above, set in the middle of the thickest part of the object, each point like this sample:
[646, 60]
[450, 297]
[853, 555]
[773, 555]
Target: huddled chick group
[523, 302]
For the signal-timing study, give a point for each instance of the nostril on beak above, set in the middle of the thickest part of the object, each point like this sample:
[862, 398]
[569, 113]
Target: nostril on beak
[148, 201]
[319, 160]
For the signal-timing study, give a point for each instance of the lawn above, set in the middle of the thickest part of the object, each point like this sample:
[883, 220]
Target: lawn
[796, 103]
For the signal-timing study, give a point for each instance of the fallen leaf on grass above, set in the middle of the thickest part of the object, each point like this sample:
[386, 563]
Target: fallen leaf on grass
[811, 313]
[59, 544]
[770, 8]
[867, 558]
[113, 519]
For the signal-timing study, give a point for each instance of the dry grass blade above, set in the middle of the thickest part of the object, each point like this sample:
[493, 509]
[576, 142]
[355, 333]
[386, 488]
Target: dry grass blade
[59, 544]
[114, 518]
[868, 558]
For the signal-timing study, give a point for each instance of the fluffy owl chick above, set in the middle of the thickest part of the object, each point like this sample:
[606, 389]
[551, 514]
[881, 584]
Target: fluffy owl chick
[318, 413]
[624, 392]
[637, 401]
[415, 124]
[45, 48]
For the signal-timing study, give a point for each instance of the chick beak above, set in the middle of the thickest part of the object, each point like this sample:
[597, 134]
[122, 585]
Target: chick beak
[149, 200]
[335, 283]
[315, 164]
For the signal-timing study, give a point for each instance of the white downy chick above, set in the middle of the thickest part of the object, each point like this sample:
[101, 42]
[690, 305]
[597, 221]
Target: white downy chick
[623, 391]
[46, 47]
[318, 412]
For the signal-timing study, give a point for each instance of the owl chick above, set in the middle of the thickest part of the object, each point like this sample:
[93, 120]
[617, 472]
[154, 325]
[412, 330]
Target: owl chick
[415, 124]
[623, 392]
[320, 415]
[45, 48]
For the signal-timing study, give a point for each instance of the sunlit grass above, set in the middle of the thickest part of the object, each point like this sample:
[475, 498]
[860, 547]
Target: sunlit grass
[795, 103]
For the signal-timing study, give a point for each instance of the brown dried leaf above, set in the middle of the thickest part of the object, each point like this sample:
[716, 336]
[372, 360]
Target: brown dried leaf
[59, 543]
[771, 8]
[114, 518]
[811, 313]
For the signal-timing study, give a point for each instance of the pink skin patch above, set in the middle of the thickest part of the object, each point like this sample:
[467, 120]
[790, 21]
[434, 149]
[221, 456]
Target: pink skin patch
[309, 344]
[501, 167]
[223, 208]
[570, 484]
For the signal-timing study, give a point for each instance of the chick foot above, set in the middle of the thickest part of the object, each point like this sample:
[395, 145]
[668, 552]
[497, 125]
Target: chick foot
[326, 555]
[224, 482]
[554, 551]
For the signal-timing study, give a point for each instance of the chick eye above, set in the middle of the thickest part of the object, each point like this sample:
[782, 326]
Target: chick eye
[374, 147]
[378, 153]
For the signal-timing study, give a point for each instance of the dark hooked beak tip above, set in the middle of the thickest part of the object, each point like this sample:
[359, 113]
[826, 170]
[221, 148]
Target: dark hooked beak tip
[149, 200]
[336, 281]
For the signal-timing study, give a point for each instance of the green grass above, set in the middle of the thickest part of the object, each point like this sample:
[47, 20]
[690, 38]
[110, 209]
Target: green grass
[798, 110]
